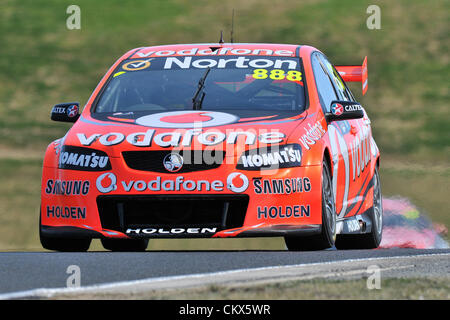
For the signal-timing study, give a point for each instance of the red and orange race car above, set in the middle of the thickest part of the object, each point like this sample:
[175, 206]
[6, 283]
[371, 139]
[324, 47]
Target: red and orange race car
[215, 140]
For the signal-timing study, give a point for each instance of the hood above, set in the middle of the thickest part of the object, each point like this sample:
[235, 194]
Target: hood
[233, 132]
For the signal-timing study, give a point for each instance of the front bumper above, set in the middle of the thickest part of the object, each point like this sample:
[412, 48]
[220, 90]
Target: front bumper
[223, 202]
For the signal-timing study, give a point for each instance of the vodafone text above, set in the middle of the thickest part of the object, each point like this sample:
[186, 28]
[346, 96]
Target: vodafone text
[179, 138]
[236, 182]
[221, 51]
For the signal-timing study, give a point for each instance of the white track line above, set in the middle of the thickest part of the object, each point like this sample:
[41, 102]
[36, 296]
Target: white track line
[49, 292]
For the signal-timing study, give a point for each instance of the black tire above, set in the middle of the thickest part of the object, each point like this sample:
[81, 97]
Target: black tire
[125, 245]
[63, 244]
[327, 235]
[372, 239]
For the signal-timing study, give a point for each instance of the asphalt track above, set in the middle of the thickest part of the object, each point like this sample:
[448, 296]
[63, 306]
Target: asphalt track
[27, 271]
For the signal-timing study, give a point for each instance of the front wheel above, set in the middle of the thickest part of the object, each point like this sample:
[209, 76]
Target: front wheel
[372, 239]
[63, 244]
[327, 236]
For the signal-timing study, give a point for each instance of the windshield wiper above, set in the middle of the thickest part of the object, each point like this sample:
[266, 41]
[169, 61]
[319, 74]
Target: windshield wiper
[197, 100]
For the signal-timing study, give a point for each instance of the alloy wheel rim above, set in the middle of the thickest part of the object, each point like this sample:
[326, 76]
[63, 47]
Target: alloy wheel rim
[329, 203]
[377, 203]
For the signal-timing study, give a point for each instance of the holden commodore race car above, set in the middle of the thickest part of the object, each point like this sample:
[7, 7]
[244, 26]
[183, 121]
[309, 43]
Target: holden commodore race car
[215, 141]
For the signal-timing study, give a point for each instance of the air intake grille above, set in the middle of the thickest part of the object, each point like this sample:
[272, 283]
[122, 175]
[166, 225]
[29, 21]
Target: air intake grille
[172, 211]
[193, 160]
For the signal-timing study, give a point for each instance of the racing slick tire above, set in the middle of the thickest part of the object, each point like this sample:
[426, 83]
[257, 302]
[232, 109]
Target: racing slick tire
[63, 244]
[327, 236]
[372, 239]
[124, 245]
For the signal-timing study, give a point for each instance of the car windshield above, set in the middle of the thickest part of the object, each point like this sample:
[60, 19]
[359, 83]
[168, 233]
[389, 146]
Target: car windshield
[230, 82]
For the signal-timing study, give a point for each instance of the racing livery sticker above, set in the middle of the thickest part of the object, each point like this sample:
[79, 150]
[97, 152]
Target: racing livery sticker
[169, 231]
[65, 212]
[179, 138]
[337, 109]
[106, 182]
[277, 74]
[312, 134]
[84, 159]
[72, 111]
[287, 156]
[281, 186]
[136, 65]
[221, 51]
[360, 150]
[67, 188]
[235, 182]
[187, 119]
[240, 62]
[280, 212]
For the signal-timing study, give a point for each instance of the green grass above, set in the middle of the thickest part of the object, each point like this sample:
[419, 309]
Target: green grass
[19, 204]
[43, 63]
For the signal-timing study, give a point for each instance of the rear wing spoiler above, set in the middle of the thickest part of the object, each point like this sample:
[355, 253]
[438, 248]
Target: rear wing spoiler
[355, 74]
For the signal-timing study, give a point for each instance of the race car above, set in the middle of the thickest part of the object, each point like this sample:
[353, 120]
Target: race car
[215, 141]
[406, 226]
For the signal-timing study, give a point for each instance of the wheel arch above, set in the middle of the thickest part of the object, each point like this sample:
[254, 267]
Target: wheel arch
[327, 158]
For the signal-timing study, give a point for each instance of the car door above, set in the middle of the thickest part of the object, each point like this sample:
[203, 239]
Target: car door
[340, 133]
[357, 137]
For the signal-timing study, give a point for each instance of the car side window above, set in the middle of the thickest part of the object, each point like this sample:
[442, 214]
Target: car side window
[339, 84]
[325, 88]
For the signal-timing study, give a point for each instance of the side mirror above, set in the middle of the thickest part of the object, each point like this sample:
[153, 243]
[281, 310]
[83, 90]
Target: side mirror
[344, 110]
[66, 112]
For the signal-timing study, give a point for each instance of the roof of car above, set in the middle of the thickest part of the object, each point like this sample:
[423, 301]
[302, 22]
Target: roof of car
[199, 49]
